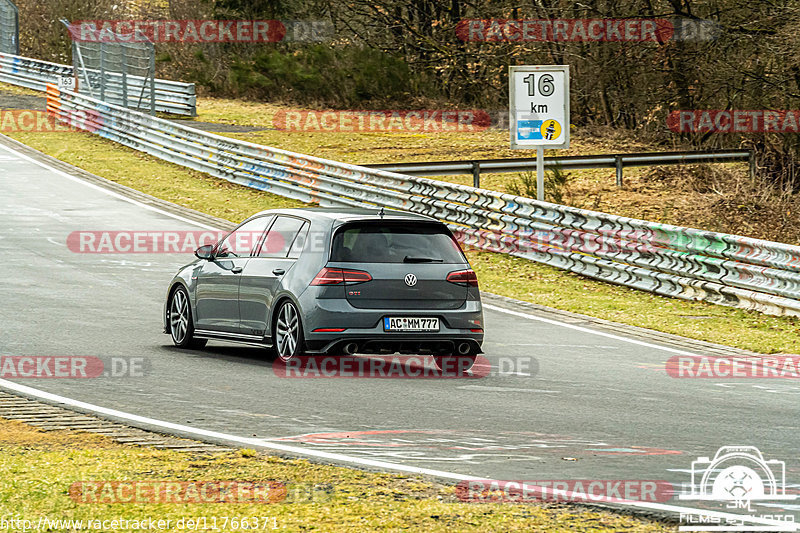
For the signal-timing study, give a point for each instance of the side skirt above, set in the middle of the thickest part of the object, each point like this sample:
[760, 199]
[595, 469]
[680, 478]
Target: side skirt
[254, 340]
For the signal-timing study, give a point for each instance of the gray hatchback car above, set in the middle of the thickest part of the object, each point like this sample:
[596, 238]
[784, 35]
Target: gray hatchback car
[331, 281]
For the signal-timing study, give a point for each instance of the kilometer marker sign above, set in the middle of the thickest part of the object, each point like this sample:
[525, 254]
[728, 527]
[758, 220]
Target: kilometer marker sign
[539, 106]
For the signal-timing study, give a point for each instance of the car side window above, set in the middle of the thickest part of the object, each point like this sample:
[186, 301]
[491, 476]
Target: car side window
[241, 241]
[299, 242]
[280, 237]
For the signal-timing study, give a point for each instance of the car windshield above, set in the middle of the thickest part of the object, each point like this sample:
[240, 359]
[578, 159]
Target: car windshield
[395, 243]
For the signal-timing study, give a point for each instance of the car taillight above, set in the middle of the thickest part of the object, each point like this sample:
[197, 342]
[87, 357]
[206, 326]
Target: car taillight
[463, 277]
[334, 276]
[356, 276]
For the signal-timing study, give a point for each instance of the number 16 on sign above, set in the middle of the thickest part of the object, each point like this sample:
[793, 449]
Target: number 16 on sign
[538, 106]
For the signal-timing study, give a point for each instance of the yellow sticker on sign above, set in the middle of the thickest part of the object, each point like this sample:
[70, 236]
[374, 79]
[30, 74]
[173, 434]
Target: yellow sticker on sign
[550, 129]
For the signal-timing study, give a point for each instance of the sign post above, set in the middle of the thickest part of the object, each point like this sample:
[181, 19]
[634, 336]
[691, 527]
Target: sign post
[538, 107]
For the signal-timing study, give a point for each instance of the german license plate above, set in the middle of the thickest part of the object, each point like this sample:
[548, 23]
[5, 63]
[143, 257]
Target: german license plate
[410, 324]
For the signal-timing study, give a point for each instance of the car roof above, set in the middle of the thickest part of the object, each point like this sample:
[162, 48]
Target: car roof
[349, 214]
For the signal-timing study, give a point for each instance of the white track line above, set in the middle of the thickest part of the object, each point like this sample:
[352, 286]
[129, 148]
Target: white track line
[198, 432]
[587, 330]
[359, 461]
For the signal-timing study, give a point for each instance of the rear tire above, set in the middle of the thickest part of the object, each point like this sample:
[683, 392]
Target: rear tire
[288, 332]
[179, 321]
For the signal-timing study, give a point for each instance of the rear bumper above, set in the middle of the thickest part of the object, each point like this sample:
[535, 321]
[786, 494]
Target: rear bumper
[365, 328]
[387, 344]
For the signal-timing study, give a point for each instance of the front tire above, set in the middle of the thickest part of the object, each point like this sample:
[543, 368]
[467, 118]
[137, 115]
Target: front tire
[179, 317]
[288, 332]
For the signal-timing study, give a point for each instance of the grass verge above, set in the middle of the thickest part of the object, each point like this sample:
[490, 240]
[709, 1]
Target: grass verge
[39, 467]
[500, 274]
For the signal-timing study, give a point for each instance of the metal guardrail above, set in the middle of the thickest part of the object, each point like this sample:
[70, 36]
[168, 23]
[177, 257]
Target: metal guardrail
[615, 161]
[171, 96]
[663, 259]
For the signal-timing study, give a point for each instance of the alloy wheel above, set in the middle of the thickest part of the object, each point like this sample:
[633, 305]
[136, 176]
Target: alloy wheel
[287, 331]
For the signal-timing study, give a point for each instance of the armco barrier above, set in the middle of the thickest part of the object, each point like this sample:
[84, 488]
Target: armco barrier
[171, 96]
[663, 259]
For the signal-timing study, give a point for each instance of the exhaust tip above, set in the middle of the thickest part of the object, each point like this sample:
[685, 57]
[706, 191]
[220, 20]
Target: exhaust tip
[464, 348]
[350, 348]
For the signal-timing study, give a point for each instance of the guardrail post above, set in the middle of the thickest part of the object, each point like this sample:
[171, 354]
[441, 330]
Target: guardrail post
[476, 174]
[102, 71]
[152, 80]
[540, 173]
[618, 164]
[752, 162]
[124, 70]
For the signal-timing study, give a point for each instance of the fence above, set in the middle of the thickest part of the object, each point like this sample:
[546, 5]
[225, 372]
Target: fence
[170, 96]
[663, 259]
[104, 65]
[9, 27]
[615, 161]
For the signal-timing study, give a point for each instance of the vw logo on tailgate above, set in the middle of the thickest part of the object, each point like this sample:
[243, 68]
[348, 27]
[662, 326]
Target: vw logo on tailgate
[411, 280]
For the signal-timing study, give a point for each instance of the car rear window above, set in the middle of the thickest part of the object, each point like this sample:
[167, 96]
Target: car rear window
[381, 242]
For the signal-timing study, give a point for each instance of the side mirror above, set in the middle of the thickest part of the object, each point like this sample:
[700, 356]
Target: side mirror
[204, 252]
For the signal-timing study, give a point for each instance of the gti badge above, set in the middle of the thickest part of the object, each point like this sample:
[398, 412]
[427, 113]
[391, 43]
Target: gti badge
[411, 280]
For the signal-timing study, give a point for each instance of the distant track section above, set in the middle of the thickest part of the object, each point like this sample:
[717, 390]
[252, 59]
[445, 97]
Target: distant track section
[173, 97]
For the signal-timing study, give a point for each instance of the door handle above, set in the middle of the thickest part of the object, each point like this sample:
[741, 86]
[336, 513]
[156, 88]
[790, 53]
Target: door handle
[236, 270]
[279, 272]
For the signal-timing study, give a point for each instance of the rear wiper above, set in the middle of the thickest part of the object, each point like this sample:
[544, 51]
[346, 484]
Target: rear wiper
[409, 259]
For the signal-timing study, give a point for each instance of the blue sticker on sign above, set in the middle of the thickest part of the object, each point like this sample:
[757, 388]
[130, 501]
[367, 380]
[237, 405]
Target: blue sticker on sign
[529, 129]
